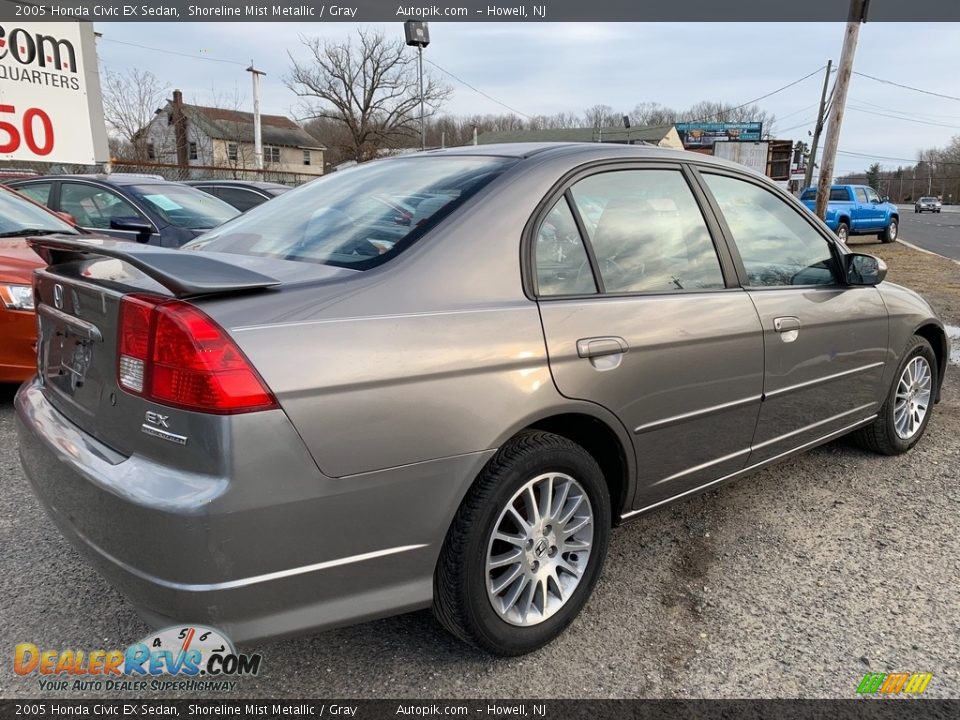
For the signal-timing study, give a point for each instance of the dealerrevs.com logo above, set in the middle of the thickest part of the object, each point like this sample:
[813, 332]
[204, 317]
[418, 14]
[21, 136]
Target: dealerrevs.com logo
[191, 657]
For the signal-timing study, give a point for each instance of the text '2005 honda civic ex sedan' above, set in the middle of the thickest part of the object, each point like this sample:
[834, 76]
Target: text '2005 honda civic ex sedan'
[324, 411]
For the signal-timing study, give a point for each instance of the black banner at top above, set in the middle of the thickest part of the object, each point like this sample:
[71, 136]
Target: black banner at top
[477, 10]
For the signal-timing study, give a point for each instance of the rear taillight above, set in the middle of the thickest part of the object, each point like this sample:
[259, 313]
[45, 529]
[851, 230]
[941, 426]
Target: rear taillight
[170, 352]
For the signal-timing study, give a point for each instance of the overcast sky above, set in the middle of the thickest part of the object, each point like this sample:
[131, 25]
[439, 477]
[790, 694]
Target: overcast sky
[544, 68]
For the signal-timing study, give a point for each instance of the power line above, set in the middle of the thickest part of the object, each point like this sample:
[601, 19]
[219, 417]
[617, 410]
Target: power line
[762, 97]
[906, 87]
[172, 52]
[898, 159]
[477, 90]
[905, 119]
[922, 115]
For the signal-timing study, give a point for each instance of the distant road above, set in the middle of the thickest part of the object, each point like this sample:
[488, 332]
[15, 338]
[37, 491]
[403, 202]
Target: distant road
[939, 233]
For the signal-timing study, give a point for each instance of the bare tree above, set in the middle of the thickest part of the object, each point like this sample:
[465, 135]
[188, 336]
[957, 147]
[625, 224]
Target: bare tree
[130, 99]
[370, 87]
[602, 116]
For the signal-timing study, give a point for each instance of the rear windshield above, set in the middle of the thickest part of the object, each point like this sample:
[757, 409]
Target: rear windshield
[836, 194]
[185, 207]
[358, 217]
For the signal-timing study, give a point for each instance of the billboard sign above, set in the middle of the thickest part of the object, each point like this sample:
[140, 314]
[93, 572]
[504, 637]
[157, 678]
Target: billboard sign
[705, 134]
[752, 154]
[51, 109]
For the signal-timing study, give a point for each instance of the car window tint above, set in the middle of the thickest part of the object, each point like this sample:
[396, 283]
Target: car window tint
[778, 247]
[40, 192]
[647, 232]
[562, 264]
[872, 196]
[840, 194]
[861, 195]
[241, 199]
[93, 206]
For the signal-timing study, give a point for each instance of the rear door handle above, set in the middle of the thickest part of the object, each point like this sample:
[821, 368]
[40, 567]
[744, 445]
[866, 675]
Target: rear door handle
[788, 327]
[600, 346]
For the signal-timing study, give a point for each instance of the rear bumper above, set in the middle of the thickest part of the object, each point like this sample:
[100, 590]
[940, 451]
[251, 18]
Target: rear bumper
[275, 549]
[18, 351]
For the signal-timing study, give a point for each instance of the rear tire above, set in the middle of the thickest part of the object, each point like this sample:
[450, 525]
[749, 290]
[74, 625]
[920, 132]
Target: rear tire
[474, 595]
[843, 232]
[905, 413]
[890, 232]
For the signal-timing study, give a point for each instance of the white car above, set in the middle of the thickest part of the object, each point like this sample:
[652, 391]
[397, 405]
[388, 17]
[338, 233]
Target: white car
[927, 203]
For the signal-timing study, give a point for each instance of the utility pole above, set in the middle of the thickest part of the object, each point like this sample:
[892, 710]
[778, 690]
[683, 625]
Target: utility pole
[257, 134]
[418, 35]
[808, 176]
[858, 15]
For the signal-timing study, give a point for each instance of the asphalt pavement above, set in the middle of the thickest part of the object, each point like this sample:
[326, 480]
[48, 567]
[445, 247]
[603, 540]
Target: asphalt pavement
[936, 232]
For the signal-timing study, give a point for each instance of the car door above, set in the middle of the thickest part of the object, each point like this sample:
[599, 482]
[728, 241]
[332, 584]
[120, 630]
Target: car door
[862, 216]
[100, 209]
[641, 315]
[875, 209]
[824, 342]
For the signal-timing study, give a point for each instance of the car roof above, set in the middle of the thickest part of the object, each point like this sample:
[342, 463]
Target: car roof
[239, 183]
[113, 179]
[583, 152]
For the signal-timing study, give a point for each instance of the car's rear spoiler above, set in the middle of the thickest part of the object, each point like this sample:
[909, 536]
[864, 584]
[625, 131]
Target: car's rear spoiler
[182, 273]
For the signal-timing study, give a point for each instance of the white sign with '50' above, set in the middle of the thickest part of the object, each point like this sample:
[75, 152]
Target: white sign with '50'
[50, 104]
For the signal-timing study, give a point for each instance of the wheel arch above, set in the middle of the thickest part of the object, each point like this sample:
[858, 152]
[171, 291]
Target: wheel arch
[937, 337]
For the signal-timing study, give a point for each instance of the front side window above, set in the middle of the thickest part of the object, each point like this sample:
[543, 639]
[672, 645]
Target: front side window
[861, 195]
[562, 264]
[647, 232]
[94, 207]
[872, 196]
[778, 247]
[358, 217]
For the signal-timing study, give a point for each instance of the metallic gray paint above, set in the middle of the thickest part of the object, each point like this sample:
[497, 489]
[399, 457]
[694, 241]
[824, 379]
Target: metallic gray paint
[397, 384]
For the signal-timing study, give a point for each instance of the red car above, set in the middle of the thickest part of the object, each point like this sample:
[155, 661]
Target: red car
[21, 218]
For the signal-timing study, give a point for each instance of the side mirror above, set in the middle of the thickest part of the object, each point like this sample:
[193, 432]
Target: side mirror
[67, 216]
[885, 198]
[864, 269]
[141, 227]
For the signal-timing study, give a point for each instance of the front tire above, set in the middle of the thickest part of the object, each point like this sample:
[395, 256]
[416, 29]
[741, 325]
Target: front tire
[905, 413]
[526, 546]
[890, 232]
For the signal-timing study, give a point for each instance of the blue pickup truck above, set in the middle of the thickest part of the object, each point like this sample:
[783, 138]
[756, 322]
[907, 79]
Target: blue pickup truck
[857, 210]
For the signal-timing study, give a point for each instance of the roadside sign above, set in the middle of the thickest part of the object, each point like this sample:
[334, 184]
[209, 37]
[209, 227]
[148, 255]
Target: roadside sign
[51, 109]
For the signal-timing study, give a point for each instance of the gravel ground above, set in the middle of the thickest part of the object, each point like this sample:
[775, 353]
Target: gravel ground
[793, 582]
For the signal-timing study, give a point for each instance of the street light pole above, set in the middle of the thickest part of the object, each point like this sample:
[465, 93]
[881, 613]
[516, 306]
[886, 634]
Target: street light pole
[423, 117]
[858, 15]
[418, 35]
[257, 134]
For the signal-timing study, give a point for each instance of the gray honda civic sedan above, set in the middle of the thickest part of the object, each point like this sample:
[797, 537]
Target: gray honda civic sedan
[329, 410]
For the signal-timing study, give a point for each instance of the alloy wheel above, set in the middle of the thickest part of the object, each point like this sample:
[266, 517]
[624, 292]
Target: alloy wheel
[539, 549]
[913, 398]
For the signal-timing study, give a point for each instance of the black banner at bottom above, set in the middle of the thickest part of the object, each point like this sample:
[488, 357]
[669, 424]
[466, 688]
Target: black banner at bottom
[863, 708]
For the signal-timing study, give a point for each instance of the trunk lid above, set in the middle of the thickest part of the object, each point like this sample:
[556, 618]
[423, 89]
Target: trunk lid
[78, 300]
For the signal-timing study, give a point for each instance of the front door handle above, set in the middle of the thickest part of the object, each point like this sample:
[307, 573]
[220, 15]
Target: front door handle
[788, 327]
[600, 346]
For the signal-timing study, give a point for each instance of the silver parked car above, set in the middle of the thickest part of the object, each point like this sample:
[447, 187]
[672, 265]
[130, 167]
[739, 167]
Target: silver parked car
[926, 204]
[324, 412]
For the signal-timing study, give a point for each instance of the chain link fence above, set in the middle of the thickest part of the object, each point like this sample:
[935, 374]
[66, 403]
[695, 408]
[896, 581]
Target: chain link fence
[10, 170]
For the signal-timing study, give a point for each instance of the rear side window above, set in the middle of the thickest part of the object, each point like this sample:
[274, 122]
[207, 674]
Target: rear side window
[241, 199]
[777, 245]
[840, 194]
[359, 217]
[647, 232]
[562, 264]
[39, 192]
